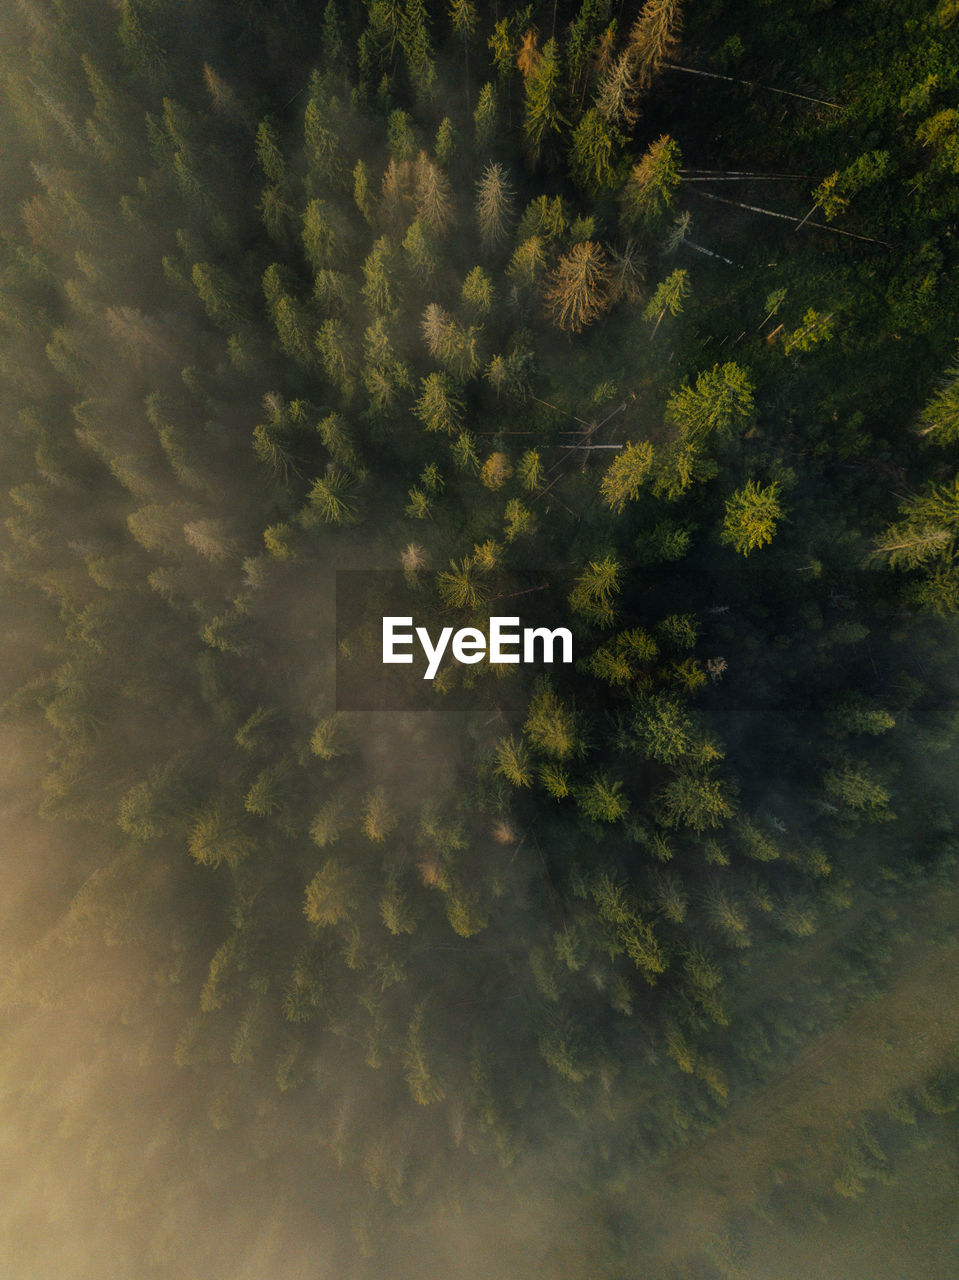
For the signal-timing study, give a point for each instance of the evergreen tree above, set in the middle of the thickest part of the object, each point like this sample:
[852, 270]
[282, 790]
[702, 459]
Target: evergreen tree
[668, 297]
[651, 187]
[751, 517]
[478, 292]
[654, 37]
[332, 499]
[362, 194]
[433, 200]
[543, 119]
[494, 206]
[596, 589]
[578, 290]
[592, 152]
[721, 402]
[418, 48]
[626, 474]
[377, 289]
[446, 144]
[330, 896]
[439, 407]
[485, 119]
[616, 95]
[939, 420]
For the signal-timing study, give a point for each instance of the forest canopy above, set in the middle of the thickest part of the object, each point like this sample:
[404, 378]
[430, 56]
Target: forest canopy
[640, 317]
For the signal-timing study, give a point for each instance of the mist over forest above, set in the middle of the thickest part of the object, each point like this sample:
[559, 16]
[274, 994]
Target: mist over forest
[640, 318]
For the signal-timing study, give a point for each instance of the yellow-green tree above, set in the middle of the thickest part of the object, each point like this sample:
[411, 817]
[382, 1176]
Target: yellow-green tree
[626, 474]
[752, 514]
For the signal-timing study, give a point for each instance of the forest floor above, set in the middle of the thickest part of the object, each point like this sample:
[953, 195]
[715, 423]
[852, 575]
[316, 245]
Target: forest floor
[801, 1120]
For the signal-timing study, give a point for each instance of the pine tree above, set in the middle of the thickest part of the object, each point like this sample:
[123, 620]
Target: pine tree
[729, 917]
[669, 297]
[397, 912]
[697, 800]
[461, 586]
[423, 1079]
[383, 374]
[664, 729]
[106, 128]
[277, 215]
[626, 474]
[330, 896]
[378, 818]
[141, 46]
[362, 195]
[464, 453]
[654, 37]
[478, 293]
[432, 196]
[596, 589]
[446, 145]
[616, 95]
[418, 48]
[529, 469]
[752, 514]
[579, 289]
[396, 195]
[526, 267]
[216, 837]
[435, 327]
[464, 17]
[580, 46]
[461, 353]
[485, 119]
[268, 792]
[323, 144]
[420, 250]
[512, 761]
[602, 800]
[332, 499]
[939, 420]
[320, 240]
[520, 521]
[211, 539]
[377, 291]
[627, 273]
[287, 317]
[543, 120]
[273, 440]
[592, 153]
[551, 725]
[855, 787]
[220, 295]
[494, 206]
[337, 355]
[496, 470]
[157, 527]
[720, 403]
[223, 96]
[546, 218]
[651, 187]
[625, 927]
[329, 823]
[439, 407]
